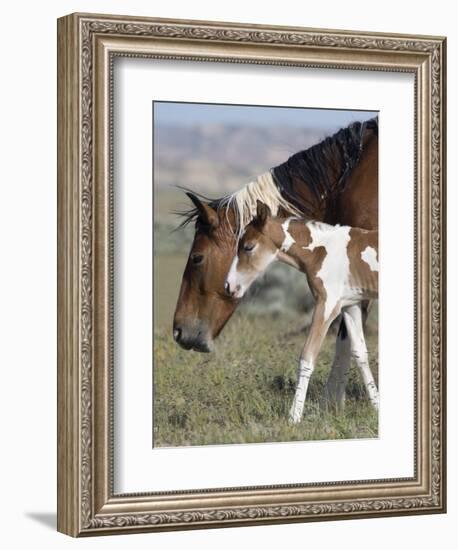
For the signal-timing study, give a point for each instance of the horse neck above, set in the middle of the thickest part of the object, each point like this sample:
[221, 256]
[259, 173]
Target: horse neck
[289, 246]
[317, 181]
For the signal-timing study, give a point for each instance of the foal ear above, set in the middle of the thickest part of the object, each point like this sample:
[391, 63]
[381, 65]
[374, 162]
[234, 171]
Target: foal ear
[207, 215]
[262, 214]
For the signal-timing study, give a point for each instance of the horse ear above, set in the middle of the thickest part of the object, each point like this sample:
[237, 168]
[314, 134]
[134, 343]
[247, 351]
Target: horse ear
[262, 214]
[207, 215]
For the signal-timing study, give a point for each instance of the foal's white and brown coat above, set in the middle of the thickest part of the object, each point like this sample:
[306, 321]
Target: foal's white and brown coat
[341, 266]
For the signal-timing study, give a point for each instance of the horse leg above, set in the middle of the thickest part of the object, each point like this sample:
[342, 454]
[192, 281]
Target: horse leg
[353, 321]
[334, 392]
[315, 337]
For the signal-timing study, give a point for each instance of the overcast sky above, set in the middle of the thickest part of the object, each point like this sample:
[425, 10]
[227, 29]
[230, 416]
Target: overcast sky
[190, 114]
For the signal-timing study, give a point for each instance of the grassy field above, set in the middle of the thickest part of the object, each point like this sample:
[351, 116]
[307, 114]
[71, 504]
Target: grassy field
[241, 393]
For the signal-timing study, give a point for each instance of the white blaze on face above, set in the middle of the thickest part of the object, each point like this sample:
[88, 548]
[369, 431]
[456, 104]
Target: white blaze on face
[239, 281]
[288, 241]
[335, 269]
[369, 255]
[233, 276]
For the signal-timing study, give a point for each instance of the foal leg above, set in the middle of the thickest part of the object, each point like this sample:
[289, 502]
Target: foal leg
[315, 337]
[334, 392]
[353, 321]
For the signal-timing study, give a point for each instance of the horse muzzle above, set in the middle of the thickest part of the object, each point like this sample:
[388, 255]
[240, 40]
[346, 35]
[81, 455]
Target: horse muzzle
[192, 339]
[233, 291]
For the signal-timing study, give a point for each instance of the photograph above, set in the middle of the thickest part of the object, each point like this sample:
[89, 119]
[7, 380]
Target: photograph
[265, 274]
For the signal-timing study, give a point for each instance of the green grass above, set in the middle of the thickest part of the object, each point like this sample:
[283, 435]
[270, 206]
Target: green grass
[168, 270]
[242, 392]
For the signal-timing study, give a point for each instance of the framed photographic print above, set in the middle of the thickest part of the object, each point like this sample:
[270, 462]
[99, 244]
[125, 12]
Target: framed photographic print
[251, 281]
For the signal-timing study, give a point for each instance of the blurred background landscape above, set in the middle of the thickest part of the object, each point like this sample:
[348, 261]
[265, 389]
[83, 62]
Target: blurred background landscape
[215, 150]
[215, 160]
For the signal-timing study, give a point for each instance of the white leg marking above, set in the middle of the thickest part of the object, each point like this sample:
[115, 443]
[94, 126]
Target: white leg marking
[303, 377]
[353, 321]
[369, 255]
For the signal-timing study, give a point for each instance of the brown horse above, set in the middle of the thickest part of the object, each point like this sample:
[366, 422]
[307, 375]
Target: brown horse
[335, 181]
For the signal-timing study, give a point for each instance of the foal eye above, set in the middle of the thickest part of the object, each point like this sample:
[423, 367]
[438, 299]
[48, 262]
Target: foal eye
[248, 247]
[197, 259]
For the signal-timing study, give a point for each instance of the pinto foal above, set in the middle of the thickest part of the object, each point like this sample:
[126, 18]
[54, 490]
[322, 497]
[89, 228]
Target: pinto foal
[341, 266]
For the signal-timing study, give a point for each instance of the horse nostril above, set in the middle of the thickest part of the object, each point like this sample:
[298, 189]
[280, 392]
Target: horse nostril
[227, 288]
[176, 334]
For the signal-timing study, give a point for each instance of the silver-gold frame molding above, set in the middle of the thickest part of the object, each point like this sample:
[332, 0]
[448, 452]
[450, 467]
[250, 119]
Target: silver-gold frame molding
[87, 45]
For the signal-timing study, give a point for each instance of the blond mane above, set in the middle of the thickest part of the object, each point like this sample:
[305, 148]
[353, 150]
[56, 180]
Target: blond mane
[243, 202]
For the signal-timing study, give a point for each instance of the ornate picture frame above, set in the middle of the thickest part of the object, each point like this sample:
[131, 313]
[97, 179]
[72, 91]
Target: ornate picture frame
[87, 46]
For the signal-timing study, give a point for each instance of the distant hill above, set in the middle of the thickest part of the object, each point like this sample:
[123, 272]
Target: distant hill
[217, 159]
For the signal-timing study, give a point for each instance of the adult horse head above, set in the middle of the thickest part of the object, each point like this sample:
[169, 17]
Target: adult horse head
[310, 183]
[203, 307]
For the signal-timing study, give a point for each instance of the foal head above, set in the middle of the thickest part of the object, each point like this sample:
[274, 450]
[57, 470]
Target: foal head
[255, 252]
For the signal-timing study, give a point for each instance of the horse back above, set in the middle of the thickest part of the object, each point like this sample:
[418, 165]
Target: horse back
[357, 204]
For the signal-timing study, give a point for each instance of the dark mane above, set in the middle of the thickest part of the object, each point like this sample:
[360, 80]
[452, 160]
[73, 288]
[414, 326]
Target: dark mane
[316, 167]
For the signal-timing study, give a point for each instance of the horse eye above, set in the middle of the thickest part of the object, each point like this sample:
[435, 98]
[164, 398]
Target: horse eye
[248, 247]
[197, 259]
